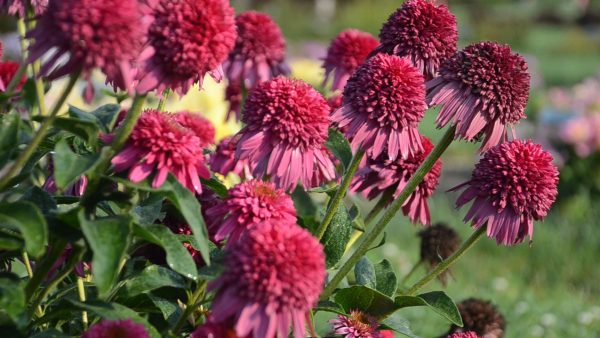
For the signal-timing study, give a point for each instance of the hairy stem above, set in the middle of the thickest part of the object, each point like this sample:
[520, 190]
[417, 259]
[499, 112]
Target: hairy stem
[445, 264]
[163, 100]
[372, 234]
[129, 123]
[340, 193]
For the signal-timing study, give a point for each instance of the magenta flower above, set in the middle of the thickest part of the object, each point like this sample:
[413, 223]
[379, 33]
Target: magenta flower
[248, 204]
[201, 126]
[8, 69]
[347, 51]
[211, 329]
[484, 88]
[286, 129]
[104, 34]
[75, 189]
[357, 325]
[384, 101]
[273, 277]
[469, 334]
[116, 328]
[421, 31]
[512, 185]
[18, 7]
[186, 40]
[259, 52]
[160, 145]
[223, 160]
[381, 174]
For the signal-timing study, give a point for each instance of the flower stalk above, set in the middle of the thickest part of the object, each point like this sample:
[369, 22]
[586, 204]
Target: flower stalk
[372, 234]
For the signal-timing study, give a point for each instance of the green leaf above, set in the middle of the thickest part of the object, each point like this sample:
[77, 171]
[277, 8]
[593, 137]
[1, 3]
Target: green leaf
[68, 166]
[109, 239]
[337, 237]
[85, 129]
[386, 280]
[366, 300]
[305, 206]
[216, 186]
[170, 310]
[28, 219]
[187, 204]
[178, 257]
[399, 325]
[329, 306]
[9, 136]
[114, 311]
[148, 213]
[438, 301]
[107, 116]
[41, 199]
[9, 243]
[339, 146]
[364, 271]
[12, 296]
[151, 278]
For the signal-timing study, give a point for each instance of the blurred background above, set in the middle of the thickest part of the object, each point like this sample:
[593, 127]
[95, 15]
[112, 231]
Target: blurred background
[550, 288]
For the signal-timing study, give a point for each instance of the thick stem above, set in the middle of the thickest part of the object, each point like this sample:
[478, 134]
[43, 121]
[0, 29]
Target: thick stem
[81, 292]
[39, 135]
[191, 306]
[372, 234]
[129, 123]
[340, 193]
[445, 264]
[163, 100]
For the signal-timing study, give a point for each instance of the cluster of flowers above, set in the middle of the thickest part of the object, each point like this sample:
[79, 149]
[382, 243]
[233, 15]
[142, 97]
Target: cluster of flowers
[275, 269]
[582, 102]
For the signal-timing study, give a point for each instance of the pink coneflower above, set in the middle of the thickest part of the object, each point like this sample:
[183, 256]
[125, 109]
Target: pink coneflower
[384, 101]
[335, 102]
[286, 129]
[424, 33]
[223, 160]
[104, 34]
[469, 334]
[186, 40]
[386, 334]
[273, 277]
[357, 325]
[248, 204]
[483, 89]
[18, 7]
[347, 51]
[8, 69]
[116, 328]
[160, 145]
[512, 185]
[201, 126]
[381, 174]
[211, 329]
[259, 52]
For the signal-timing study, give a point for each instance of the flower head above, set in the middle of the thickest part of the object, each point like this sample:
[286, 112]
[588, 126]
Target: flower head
[223, 160]
[512, 185]
[481, 317]
[8, 70]
[273, 277]
[438, 242]
[116, 328]
[186, 40]
[201, 126]
[160, 144]
[248, 204]
[18, 7]
[286, 129]
[347, 51]
[259, 52]
[421, 31]
[381, 175]
[469, 334]
[384, 101]
[483, 89]
[357, 325]
[211, 329]
[104, 34]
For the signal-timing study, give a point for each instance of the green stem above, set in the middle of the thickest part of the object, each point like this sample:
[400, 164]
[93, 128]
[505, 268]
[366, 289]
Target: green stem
[81, 292]
[39, 136]
[383, 201]
[163, 100]
[129, 123]
[193, 302]
[373, 233]
[36, 66]
[74, 258]
[42, 271]
[340, 193]
[445, 264]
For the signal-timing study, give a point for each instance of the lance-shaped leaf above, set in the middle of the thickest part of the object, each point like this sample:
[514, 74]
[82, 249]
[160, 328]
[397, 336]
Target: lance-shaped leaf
[28, 219]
